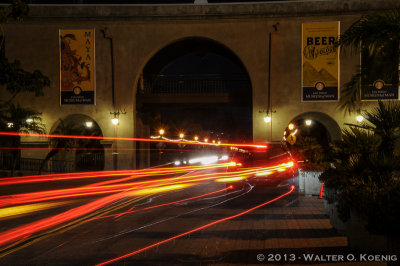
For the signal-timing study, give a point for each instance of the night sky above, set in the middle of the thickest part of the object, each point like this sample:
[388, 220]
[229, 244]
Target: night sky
[129, 1]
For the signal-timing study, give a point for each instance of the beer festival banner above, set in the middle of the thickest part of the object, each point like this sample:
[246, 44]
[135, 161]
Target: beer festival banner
[379, 80]
[77, 66]
[320, 61]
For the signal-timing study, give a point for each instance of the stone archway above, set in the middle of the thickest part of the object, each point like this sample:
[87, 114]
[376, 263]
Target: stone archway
[76, 154]
[197, 85]
[321, 119]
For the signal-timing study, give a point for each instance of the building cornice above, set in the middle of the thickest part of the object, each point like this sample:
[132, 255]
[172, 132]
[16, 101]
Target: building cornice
[207, 11]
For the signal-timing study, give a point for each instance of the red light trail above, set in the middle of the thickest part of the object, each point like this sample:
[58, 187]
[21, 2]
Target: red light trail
[164, 204]
[107, 187]
[138, 173]
[94, 149]
[96, 188]
[196, 229]
[121, 188]
[27, 230]
[127, 139]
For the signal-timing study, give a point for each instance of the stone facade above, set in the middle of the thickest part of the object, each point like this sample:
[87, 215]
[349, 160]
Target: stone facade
[140, 31]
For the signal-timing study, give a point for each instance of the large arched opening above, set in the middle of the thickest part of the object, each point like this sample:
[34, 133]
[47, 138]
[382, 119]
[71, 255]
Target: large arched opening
[198, 87]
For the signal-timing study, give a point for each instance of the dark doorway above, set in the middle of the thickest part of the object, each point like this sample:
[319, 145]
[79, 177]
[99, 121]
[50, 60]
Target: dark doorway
[199, 87]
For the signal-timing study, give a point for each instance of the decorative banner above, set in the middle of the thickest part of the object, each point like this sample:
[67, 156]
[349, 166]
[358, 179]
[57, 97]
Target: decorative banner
[379, 75]
[320, 62]
[77, 76]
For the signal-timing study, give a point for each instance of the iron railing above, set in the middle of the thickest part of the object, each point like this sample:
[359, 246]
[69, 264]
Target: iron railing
[33, 164]
[194, 84]
[90, 161]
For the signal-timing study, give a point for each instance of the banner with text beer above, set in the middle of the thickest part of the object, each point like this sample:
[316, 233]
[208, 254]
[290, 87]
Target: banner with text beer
[77, 66]
[320, 62]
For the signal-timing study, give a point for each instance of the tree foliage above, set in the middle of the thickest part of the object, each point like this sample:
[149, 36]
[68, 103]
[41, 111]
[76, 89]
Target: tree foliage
[377, 37]
[15, 81]
[367, 168]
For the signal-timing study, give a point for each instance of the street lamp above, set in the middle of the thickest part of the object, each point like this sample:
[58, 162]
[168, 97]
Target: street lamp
[308, 122]
[267, 119]
[181, 135]
[196, 138]
[206, 140]
[291, 126]
[161, 132]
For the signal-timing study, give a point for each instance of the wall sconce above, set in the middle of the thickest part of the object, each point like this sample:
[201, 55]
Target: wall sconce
[267, 119]
[116, 114]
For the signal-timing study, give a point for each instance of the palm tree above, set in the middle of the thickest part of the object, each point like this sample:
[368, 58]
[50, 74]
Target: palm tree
[14, 118]
[69, 127]
[384, 121]
[366, 170]
[377, 36]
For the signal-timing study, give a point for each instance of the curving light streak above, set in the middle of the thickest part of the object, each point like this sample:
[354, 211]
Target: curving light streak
[196, 229]
[164, 204]
[29, 208]
[125, 139]
[230, 179]
[119, 191]
[110, 174]
[72, 214]
[107, 187]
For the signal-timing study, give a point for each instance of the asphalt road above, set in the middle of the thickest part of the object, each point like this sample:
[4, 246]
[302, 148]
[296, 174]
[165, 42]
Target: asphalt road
[131, 227]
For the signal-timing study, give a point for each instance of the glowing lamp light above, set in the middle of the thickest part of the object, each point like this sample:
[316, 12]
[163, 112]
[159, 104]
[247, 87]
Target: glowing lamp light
[115, 121]
[308, 122]
[219, 142]
[10, 125]
[161, 132]
[181, 135]
[214, 141]
[267, 119]
[29, 120]
[89, 124]
[291, 126]
[196, 138]
[359, 118]
[205, 140]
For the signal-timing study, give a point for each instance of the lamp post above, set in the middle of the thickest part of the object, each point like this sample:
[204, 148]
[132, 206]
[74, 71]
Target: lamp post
[115, 121]
[268, 118]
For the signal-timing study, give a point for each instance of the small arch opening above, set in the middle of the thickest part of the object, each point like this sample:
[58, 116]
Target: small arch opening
[74, 154]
